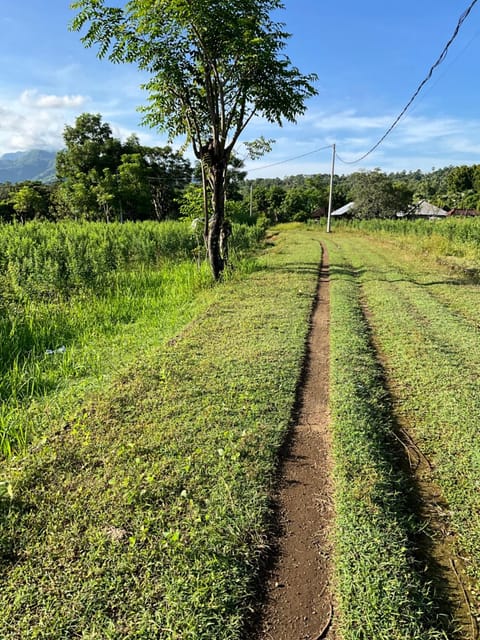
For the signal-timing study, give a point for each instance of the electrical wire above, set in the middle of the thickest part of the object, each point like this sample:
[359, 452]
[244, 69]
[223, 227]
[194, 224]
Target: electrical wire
[437, 63]
[275, 164]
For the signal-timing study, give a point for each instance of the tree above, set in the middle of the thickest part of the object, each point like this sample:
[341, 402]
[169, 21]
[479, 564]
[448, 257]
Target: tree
[29, 202]
[133, 187]
[89, 145]
[86, 166]
[213, 66]
[100, 175]
[268, 201]
[460, 179]
[168, 175]
[376, 196]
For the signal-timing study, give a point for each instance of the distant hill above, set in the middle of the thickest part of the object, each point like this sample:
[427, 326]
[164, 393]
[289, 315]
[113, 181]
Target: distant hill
[36, 164]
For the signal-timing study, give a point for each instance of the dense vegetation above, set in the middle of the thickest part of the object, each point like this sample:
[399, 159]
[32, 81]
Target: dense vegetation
[102, 178]
[143, 511]
[376, 193]
[68, 288]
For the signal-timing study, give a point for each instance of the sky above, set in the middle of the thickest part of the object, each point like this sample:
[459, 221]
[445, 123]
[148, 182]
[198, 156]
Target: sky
[369, 57]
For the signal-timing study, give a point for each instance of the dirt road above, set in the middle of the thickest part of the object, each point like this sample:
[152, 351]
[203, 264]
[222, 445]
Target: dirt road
[299, 602]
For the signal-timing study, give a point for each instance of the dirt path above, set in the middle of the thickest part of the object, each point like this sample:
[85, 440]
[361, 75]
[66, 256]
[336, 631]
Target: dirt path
[299, 600]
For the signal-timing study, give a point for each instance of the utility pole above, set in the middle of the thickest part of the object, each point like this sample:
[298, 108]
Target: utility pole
[330, 197]
[251, 201]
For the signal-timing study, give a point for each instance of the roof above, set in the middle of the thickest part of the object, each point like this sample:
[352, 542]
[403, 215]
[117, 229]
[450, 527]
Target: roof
[424, 209]
[463, 212]
[343, 210]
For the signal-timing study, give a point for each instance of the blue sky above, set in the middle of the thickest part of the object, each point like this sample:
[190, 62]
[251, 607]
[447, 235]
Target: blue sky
[369, 58]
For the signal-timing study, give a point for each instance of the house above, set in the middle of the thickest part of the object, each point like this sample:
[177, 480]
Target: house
[463, 212]
[345, 210]
[423, 210]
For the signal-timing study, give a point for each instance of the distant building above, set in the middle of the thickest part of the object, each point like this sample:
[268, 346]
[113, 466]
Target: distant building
[423, 209]
[345, 210]
[463, 212]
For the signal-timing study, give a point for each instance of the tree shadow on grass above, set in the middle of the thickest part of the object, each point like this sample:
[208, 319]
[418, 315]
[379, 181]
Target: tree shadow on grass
[381, 275]
[422, 511]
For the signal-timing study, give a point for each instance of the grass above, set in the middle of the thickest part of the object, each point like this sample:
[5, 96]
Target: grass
[78, 301]
[143, 513]
[380, 593]
[58, 347]
[455, 238]
[141, 508]
[424, 323]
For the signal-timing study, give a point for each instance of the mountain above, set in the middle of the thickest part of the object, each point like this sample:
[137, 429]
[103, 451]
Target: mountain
[36, 164]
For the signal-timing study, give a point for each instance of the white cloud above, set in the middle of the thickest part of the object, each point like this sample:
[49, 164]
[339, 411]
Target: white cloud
[416, 142]
[30, 98]
[348, 120]
[36, 120]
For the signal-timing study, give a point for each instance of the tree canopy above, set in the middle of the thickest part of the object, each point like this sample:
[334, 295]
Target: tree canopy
[213, 66]
[99, 173]
[377, 196]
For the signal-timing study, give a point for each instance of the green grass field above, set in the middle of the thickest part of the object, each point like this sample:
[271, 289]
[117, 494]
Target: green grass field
[143, 512]
[140, 463]
[414, 324]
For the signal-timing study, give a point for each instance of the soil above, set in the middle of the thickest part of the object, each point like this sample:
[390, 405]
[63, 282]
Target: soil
[299, 602]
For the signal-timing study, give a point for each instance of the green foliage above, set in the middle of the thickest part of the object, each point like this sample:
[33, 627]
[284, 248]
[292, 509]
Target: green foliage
[51, 259]
[212, 66]
[191, 203]
[102, 178]
[143, 513]
[268, 202]
[377, 196]
[24, 201]
[27, 203]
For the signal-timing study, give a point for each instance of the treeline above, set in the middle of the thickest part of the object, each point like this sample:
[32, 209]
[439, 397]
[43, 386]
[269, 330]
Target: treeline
[100, 178]
[103, 179]
[375, 193]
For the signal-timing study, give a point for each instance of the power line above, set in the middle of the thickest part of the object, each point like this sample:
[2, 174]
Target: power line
[440, 59]
[275, 164]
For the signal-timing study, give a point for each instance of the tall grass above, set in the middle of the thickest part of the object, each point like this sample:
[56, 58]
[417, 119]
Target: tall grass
[68, 290]
[43, 259]
[453, 236]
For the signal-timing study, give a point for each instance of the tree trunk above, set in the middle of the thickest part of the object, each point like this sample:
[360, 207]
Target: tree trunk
[213, 246]
[214, 168]
[216, 222]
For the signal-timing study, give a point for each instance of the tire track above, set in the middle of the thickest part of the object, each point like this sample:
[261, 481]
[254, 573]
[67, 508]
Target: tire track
[299, 600]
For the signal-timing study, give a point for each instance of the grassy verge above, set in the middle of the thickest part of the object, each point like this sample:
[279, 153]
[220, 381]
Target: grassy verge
[380, 594]
[51, 352]
[425, 325]
[431, 342]
[142, 514]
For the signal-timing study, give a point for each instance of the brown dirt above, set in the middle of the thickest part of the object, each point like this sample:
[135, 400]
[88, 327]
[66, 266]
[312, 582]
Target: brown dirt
[299, 602]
